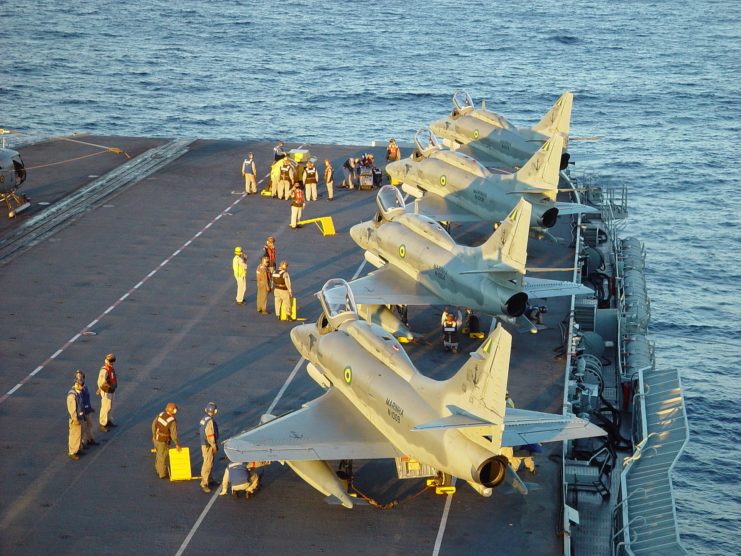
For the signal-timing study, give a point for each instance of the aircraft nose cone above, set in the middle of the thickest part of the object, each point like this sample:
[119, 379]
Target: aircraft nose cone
[300, 338]
[357, 233]
[438, 127]
[397, 170]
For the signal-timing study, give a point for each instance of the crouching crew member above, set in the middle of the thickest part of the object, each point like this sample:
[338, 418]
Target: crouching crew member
[164, 430]
[311, 178]
[76, 415]
[88, 410]
[107, 384]
[209, 432]
[240, 478]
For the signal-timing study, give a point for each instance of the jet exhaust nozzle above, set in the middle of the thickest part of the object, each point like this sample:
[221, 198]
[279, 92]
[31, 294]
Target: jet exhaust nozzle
[515, 305]
[492, 472]
[548, 220]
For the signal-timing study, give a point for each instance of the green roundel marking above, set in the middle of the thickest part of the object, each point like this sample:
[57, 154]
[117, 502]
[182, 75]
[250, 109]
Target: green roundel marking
[348, 375]
[402, 251]
[443, 181]
[475, 133]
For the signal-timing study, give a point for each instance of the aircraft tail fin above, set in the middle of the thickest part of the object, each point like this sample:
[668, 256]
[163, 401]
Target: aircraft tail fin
[558, 118]
[478, 390]
[542, 171]
[506, 249]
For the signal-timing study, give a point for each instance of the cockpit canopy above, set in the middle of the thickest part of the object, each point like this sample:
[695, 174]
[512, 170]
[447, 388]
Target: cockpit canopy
[426, 141]
[337, 302]
[462, 102]
[389, 201]
[12, 170]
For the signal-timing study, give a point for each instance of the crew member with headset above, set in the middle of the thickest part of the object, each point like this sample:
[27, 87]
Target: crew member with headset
[285, 179]
[269, 252]
[239, 267]
[107, 384]
[297, 204]
[164, 430]
[282, 289]
[87, 409]
[249, 173]
[209, 432]
[76, 415]
[311, 178]
[278, 151]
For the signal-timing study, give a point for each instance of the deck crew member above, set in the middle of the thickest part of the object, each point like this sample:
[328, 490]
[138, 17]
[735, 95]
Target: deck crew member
[282, 289]
[88, 410]
[249, 172]
[107, 384]
[241, 479]
[263, 276]
[392, 151]
[329, 179]
[239, 267]
[348, 169]
[311, 179]
[297, 205]
[76, 415]
[209, 432]
[450, 332]
[285, 179]
[278, 151]
[269, 252]
[164, 430]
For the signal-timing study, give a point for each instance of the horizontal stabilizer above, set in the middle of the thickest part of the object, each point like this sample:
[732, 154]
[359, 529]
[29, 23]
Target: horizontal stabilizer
[523, 427]
[387, 285]
[459, 419]
[441, 209]
[497, 268]
[575, 208]
[540, 288]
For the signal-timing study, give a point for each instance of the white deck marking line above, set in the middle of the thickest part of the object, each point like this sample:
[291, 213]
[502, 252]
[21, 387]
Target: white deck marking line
[443, 522]
[197, 523]
[28, 377]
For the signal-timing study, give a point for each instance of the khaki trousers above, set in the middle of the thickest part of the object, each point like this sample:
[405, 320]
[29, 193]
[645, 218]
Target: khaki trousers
[75, 437]
[282, 298]
[160, 458]
[106, 408]
[330, 190]
[208, 463]
[249, 183]
[311, 192]
[284, 186]
[295, 215]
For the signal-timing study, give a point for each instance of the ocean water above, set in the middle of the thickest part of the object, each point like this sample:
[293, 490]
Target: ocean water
[658, 81]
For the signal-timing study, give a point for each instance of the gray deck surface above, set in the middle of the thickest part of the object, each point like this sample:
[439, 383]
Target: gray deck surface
[180, 337]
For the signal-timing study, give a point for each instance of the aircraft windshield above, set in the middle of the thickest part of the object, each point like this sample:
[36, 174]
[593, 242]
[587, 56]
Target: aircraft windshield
[337, 299]
[389, 200]
[462, 100]
[426, 140]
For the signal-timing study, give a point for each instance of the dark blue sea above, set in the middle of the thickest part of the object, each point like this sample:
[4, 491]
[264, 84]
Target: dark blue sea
[658, 81]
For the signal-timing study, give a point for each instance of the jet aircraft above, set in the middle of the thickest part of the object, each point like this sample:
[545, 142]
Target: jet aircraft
[377, 405]
[489, 136]
[420, 264]
[452, 186]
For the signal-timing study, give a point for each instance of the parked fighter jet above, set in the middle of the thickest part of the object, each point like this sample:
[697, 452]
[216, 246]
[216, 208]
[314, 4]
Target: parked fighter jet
[377, 405]
[490, 136]
[420, 264]
[12, 176]
[452, 186]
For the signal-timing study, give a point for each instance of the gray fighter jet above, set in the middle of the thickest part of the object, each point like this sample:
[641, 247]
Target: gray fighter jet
[452, 186]
[12, 176]
[420, 264]
[377, 406]
[490, 136]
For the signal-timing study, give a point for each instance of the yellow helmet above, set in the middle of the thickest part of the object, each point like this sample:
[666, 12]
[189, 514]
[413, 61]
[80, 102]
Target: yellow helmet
[237, 250]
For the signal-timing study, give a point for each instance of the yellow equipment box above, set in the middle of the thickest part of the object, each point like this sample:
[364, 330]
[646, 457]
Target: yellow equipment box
[299, 155]
[180, 464]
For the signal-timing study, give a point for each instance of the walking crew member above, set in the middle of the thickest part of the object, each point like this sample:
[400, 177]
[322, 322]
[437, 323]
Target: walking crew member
[278, 151]
[311, 178]
[285, 179]
[164, 430]
[76, 416]
[329, 179]
[263, 277]
[107, 384]
[269, 252]
[249, 172]
[282, 289]
[297, 204]
[209, 432]
[239, 266]
[348, 169]
[88, 410]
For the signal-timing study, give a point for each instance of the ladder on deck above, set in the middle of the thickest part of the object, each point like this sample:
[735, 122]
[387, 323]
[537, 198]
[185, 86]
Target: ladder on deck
[650, 500]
